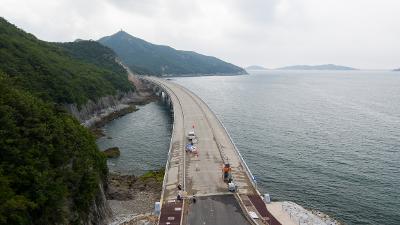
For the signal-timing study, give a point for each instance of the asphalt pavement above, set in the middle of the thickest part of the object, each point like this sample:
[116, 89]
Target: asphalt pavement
[216, 210]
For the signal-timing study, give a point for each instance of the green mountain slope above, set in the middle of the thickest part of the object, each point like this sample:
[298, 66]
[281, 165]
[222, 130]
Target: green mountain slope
[63, 73]
[146, 58]
[50, 167]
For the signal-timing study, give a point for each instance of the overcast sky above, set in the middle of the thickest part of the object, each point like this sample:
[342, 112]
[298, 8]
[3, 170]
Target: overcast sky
[272, 33]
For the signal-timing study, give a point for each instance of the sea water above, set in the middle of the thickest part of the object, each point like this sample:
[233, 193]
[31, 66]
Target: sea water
[327, 140]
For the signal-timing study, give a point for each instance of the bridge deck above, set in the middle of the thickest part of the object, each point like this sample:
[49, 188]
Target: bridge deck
[203, 172]
[200, 174]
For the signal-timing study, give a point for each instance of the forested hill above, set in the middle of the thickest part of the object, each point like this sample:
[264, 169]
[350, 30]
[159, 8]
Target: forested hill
[50, 167]
[62, 73]
[94, 53]
[146, 58]
[51, 171]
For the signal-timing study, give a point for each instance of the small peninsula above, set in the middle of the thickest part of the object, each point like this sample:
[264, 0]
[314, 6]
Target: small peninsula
[255, 67]
[317, 67]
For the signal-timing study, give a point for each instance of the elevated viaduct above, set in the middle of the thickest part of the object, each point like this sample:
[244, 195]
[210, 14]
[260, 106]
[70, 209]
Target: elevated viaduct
[200, 175]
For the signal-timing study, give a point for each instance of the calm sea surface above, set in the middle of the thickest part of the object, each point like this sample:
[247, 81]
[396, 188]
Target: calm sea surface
[324, 139]
[143, 139]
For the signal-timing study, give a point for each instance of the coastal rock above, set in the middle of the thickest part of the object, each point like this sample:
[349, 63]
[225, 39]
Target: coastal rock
[99, 212]
[125, 187]
[130, 196]
[112, 152]
[98, 132]
[95, 114]
[303, 216]
[119, 186]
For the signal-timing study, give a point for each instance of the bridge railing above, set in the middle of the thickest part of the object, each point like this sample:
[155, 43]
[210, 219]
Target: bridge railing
[169, 150]
[169, 92]
[243, 162]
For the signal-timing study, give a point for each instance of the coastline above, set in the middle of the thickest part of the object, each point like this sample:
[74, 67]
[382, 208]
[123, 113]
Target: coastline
[102, 117]
[291, 213]
[132, 202]
[204, 75]
[132, 198]
[124, 105]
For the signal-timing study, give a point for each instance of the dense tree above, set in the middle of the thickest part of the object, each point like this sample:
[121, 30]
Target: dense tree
[50, 165]
[64, 73]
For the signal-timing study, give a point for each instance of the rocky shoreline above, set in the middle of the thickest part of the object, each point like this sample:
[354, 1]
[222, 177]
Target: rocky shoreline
[112, 108]
[95, 114]
[104, 116]
[301, 215]
[132, 198]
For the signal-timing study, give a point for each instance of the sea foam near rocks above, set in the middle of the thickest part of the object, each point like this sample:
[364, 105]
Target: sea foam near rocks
[303, 216]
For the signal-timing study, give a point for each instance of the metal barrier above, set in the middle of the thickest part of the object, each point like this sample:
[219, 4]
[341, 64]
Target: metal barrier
[248, 172]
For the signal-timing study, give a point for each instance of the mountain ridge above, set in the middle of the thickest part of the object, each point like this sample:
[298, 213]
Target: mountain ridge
[143, 57]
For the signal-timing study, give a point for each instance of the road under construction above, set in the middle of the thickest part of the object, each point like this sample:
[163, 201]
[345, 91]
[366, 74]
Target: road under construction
[194, 189]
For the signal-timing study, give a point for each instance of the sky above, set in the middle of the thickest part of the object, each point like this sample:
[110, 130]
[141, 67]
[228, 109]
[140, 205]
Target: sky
[360, 33]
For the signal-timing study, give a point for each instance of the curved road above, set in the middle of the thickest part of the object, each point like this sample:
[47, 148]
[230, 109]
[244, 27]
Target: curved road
[201, 174]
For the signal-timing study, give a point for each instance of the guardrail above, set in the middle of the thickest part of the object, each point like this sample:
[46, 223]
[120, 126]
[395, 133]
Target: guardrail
[247, 169]
[169, 153]
[169, 150]
[170, 93]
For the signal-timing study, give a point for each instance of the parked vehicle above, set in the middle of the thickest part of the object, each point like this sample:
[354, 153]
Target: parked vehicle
[191, 135]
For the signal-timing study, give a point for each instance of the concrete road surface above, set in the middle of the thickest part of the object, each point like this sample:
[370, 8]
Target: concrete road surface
[201, 174]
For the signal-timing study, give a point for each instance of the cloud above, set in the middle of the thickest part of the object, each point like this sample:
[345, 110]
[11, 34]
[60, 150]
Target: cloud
[147, 7]
[257, 11]
[359, 33]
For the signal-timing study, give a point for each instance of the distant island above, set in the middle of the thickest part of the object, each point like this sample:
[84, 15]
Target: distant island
[317, 67]
[397, 70]
[255, 67]
[146, 58]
